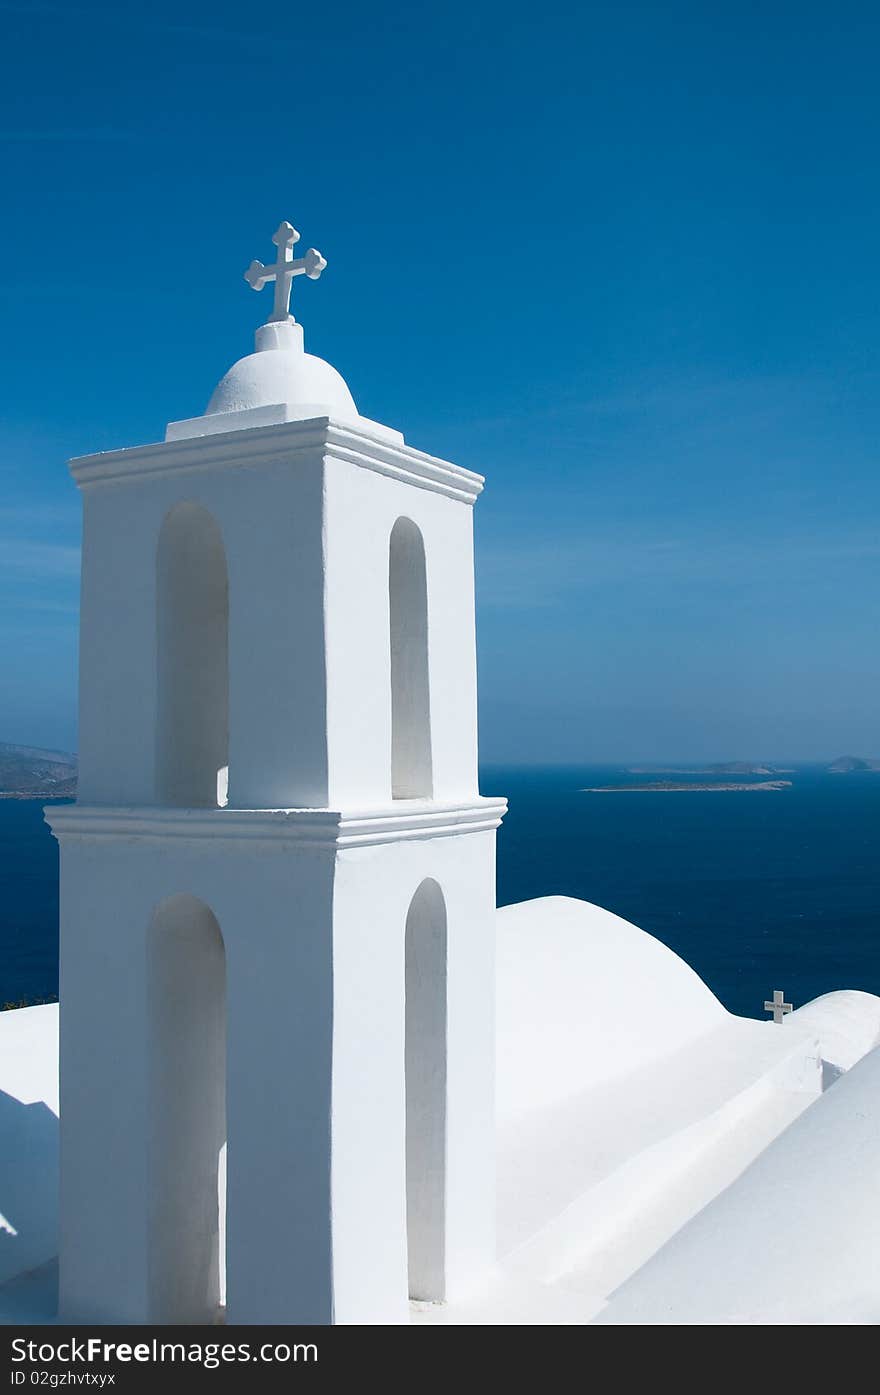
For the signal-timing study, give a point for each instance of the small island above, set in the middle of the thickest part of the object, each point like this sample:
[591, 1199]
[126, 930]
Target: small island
[731, 767]
[668, 786]
[29, 772]
[847, 765]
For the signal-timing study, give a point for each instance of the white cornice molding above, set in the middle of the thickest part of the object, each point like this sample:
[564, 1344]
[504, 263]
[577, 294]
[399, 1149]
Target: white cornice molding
[278, 444]
[316, 828]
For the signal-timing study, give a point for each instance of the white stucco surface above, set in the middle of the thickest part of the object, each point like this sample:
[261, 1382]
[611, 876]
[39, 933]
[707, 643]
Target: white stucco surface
[277, 383]
[28, 1139]
[290, 376]
[627, 1095]
[584, 997]
[847, 1024]
[305, 511]
[278, 756]
[795, 1241]
[29, 1055]
[607, 1179]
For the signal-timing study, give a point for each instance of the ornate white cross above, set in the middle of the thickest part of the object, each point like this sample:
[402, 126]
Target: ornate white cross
[779, 1007]
[284, 270]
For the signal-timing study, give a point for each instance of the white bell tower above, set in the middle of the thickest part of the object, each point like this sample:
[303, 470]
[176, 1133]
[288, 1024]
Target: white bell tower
[278, 881]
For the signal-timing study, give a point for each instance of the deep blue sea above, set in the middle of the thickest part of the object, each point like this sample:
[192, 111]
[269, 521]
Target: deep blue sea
[756, 890]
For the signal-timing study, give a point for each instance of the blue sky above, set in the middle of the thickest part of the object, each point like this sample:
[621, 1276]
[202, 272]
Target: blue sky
[622, 259]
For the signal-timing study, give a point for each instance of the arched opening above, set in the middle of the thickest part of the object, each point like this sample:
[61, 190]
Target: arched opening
[193, 662]
[425, 1066]
[410, 704]
[186, 1005]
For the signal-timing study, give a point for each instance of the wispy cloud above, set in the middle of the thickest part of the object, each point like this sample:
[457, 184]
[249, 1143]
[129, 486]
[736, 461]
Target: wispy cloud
[539, 572]
[32, 517]
[671, 417]
[38, 561]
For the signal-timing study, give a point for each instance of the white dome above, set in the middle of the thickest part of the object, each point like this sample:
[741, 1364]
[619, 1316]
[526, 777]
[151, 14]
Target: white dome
[278, 383]
[280, 372]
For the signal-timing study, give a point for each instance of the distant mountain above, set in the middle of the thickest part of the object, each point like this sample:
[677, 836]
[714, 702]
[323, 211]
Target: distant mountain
[733, 767]
[29, 772]
[844, 765]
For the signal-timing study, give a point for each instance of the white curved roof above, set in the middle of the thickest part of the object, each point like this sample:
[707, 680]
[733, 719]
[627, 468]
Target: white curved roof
[279, 382]
[581, 993]
[795, 1240]
[287, 377]
[847, 1024]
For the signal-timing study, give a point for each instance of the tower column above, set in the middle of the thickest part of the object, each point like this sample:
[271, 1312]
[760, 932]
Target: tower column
[104, 1233]
[413, 1067]
[470, 1065]
[279, 1243]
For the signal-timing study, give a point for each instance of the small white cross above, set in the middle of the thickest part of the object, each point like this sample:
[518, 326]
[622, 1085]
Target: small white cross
[284, 270]
[779, 1007]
